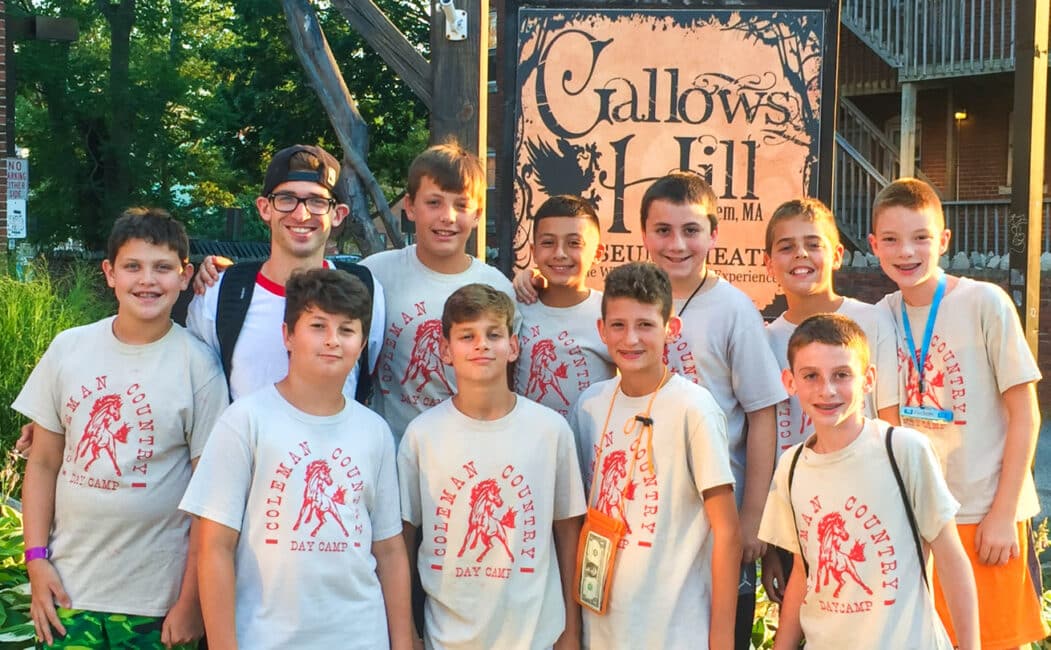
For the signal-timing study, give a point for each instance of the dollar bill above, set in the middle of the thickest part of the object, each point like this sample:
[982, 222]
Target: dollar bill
[594, 571]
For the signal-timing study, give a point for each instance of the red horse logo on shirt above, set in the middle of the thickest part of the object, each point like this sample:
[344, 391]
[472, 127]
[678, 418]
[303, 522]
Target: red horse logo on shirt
[482, 524]
[541, 376]
[425, 358]
[929, 397]
[832, 560]
[316, 500]
[805, 423]
[611, 498]
[98, 435]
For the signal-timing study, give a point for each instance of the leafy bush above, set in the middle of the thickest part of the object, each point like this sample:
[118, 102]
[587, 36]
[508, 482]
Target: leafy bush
[16, 628]
[764, 626]
[31, 314]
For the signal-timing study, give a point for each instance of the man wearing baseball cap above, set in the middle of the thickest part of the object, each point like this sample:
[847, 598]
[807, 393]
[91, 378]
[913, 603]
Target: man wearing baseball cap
[240, 315]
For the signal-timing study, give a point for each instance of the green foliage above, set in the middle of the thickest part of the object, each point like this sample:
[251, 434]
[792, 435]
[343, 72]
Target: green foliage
[66, 114]
[213, 90]
[16, 628]
[31, 314]
[266, 103]
[764, 626]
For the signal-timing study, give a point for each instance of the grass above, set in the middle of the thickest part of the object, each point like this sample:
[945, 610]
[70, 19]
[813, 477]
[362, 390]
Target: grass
[31, 314]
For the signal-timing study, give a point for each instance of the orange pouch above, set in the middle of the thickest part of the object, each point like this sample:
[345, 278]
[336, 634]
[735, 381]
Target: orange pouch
[596, 553]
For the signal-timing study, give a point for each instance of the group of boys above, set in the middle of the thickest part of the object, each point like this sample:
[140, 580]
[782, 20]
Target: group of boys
[619, 496]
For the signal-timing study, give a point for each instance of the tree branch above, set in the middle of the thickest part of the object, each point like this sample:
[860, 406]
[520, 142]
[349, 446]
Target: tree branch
[381, 34]
[314, 54]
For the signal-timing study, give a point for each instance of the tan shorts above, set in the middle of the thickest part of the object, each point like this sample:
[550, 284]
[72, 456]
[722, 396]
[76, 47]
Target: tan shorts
[1008, 605]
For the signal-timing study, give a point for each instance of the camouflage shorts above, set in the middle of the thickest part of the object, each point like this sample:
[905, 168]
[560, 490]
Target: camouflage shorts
[87, 630]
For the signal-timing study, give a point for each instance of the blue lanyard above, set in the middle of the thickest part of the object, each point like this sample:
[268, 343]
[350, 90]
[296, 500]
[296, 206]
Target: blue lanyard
[921, 358]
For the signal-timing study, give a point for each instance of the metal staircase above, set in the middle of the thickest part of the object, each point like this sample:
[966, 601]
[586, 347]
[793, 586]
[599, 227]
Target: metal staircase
[932, 39]
[866, 162]
[920, 40]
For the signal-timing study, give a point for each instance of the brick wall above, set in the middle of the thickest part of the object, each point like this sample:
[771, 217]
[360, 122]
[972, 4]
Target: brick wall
[3, 121]
[861, 70]
[931, 107]
[870, 285]
[982, 139]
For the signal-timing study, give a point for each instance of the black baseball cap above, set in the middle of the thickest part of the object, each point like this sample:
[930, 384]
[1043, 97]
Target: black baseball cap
[277, 172]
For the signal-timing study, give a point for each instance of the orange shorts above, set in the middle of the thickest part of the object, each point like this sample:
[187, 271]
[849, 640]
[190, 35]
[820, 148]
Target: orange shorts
[1008, 605]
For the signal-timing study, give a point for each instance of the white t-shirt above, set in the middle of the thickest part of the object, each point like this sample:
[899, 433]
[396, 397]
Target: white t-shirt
[661, 593]
[865, 585]
[260, 358]
[977, 352]
[133, 416]
[411, 375]
[721, 348]
[484, 494]
[561, 352]
[308, 495]
[794, 426]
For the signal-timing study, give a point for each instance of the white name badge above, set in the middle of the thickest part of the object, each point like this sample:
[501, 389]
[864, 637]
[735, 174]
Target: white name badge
[926, 413]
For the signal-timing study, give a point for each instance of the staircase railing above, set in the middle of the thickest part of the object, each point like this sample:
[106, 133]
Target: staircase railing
[869, 141]
[977, 226]
[856, 185]
[880, 24]
[927, 39]
[981, 226]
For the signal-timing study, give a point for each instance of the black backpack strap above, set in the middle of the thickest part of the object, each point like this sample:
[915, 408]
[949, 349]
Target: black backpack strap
[364, 389]
[235, 295]
[791, 477]
[908, 505]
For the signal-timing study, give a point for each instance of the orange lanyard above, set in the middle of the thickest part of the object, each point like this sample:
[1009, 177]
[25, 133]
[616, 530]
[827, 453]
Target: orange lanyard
[630, 425]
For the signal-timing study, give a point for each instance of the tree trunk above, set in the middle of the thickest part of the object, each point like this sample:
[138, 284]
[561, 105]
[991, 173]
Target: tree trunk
[61, 124]
[117, 155]
[314, 54]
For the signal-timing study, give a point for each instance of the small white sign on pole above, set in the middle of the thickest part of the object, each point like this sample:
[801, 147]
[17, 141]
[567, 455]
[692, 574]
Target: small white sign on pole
[16, 219]
[17, 193]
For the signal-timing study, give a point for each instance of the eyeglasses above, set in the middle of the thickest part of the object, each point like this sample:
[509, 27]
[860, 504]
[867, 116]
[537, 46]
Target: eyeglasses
[316, 205]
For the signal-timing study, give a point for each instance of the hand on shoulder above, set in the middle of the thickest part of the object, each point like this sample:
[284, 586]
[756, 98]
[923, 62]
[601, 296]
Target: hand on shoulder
[208, 274]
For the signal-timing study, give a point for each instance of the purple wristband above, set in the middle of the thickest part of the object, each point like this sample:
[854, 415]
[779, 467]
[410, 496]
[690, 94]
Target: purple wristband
[37, 553]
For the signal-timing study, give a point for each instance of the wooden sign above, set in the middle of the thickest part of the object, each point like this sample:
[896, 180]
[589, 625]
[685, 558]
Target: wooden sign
[611, 97]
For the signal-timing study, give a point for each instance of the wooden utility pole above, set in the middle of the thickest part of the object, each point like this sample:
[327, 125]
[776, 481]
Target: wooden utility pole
[907, 148]
[1027, 184]
[952, 137]
[459, 82]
